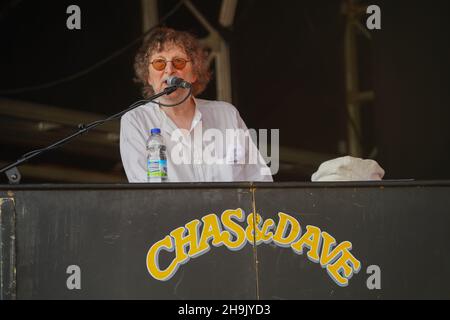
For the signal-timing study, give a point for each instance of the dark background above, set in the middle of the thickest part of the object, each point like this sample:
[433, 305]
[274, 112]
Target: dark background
[288, 73]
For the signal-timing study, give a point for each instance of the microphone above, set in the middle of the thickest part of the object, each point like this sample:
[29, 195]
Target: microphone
[178, 82]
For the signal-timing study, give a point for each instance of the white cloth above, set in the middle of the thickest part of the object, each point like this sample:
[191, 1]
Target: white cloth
[348, 169]
[135, 129]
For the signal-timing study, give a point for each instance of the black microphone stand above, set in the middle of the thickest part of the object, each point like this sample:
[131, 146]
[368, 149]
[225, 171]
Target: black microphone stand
[13, 174]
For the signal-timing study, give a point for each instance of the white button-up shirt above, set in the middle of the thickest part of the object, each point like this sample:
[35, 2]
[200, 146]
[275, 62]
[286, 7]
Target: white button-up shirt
[192, 156]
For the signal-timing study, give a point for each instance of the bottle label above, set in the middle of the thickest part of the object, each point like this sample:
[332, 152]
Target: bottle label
[157, 168]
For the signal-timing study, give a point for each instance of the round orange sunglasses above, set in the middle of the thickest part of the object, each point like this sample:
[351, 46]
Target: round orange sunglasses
[160, 64]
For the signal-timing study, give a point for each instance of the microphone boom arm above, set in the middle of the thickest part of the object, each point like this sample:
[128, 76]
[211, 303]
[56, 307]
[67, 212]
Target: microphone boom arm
[13, 173]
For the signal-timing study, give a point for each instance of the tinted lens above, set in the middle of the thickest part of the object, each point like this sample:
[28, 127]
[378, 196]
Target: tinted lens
[159, 64]
[179, 63]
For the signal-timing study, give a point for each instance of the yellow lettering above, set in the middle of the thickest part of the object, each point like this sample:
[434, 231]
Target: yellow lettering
[311, 239]
[251, 231]
[181, 241]
[153, 260]
[346, 264]
[267, 236]
[279, 237]
[329, 242]
[234, 229]
[211, 229]
[322, 247]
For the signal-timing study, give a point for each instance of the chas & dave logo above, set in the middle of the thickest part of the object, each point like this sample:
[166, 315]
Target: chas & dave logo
[320, 246]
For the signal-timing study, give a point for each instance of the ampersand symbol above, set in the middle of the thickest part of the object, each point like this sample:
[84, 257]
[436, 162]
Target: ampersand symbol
[251, 232]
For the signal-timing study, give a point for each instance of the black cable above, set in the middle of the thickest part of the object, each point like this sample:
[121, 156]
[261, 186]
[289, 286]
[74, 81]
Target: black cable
[97, 64]
[176, 104]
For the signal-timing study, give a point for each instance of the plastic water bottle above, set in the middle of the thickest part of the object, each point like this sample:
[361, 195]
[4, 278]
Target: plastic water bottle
[156, 157]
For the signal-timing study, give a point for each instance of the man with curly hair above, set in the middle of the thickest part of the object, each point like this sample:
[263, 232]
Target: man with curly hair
[170, 53]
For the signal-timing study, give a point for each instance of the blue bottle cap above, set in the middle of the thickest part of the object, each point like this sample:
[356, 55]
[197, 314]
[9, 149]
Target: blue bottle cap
[155, 131]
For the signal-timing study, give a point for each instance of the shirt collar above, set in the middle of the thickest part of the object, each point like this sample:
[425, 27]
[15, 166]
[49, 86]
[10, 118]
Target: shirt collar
[169, 126]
